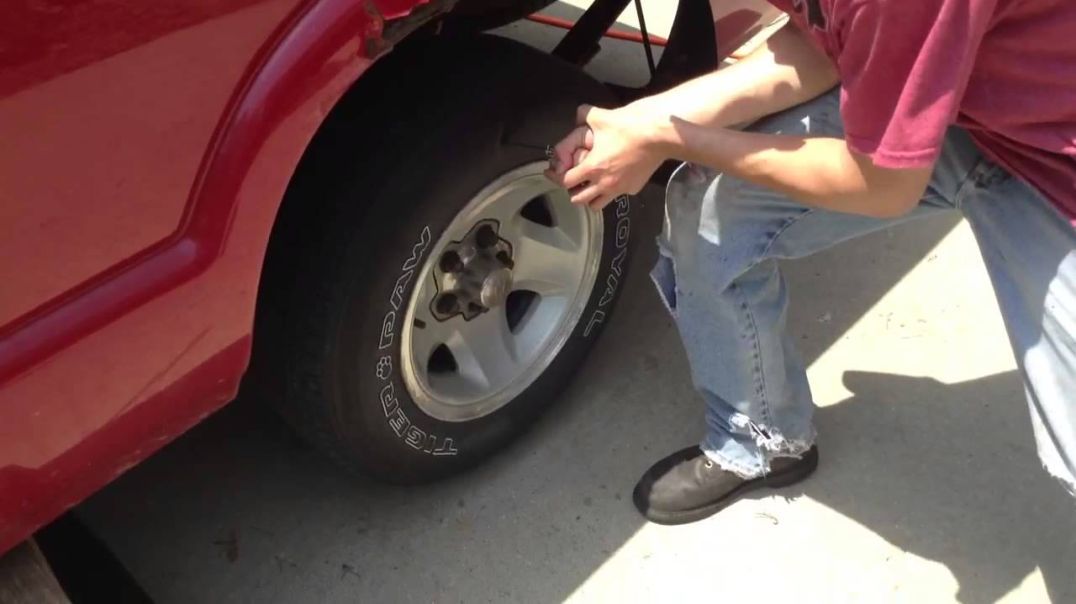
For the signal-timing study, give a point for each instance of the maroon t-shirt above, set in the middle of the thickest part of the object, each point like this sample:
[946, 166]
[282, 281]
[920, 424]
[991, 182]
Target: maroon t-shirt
[1005, 70]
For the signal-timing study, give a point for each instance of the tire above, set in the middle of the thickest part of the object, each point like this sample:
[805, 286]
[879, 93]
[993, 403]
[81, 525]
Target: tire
[387, 181]
[490, 14]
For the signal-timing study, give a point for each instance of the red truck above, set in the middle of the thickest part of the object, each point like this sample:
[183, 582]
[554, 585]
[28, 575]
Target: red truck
[339, 202]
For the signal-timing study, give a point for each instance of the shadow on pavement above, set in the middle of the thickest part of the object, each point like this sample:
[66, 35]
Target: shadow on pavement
[975, 497]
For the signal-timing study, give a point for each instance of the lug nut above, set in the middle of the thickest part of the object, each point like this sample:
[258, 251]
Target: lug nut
[467, 253]
[486, 237]
[446, 304]
[451, 262]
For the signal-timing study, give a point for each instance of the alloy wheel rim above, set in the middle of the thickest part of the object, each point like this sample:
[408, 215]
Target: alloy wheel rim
[499, 295]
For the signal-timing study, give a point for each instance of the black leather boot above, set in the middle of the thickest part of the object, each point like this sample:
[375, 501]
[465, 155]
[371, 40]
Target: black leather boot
[688, 486]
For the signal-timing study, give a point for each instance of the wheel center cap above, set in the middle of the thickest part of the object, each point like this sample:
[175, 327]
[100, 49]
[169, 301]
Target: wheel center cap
[496, 287]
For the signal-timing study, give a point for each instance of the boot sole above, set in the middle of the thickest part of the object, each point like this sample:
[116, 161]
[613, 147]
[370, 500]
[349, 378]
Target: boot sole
[777, 480]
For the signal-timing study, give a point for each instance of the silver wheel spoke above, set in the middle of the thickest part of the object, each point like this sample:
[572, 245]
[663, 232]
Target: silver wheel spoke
[546, 259]
[428, 333]
[485, 350]
[513, 197]
[544, 278]
[570, 219]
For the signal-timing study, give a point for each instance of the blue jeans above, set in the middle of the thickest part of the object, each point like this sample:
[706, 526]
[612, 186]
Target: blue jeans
[718, 274]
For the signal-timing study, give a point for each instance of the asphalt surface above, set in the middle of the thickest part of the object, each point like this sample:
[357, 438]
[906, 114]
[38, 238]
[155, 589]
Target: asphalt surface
[929, 489]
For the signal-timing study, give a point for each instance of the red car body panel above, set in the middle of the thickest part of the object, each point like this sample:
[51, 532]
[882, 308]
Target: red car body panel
[95, 376]
[144, 151]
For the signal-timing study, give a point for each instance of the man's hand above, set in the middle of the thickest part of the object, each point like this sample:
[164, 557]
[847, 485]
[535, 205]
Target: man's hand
[569, 152]
[612, 153]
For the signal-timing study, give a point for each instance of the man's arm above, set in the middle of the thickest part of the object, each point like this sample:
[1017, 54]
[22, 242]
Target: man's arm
[618, 150]
[783, 72]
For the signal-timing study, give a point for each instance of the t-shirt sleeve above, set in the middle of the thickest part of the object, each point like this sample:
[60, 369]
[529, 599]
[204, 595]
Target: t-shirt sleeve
[904, 66]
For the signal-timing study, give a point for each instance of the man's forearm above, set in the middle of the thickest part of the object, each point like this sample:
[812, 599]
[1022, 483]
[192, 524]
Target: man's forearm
[819, 172]
[785, 71]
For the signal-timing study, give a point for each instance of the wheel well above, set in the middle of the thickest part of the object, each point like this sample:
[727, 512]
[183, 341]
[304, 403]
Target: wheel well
[360, 120]
[356, 121]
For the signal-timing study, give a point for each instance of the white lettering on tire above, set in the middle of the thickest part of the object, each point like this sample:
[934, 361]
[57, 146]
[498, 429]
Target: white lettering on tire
[408, 432]
[397, 419]
[388, 330]
[384, 368]
[616, 266]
